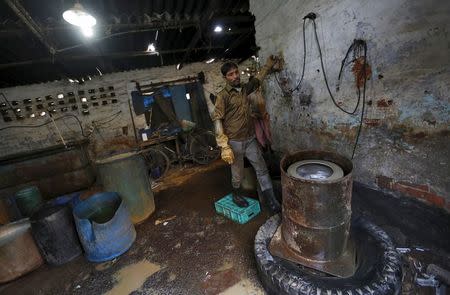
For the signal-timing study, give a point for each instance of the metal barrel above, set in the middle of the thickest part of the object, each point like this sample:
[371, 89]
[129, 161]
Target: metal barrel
[54, 231]
[28, 200]
[316, 214]
[127, 175]
[18, 252]
[104, 226]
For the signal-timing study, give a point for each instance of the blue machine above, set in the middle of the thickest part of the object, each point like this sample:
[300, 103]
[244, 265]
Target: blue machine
[104, 226]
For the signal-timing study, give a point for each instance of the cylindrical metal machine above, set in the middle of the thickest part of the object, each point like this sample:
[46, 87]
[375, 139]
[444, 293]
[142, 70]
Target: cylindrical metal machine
[316, 213]
[127, 175]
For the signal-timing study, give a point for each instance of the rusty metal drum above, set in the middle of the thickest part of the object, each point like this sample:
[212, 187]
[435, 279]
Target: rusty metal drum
[316, 214]
[18, 252]
[127, 175]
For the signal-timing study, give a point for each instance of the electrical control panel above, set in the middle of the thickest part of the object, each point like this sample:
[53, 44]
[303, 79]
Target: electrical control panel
[83, 101]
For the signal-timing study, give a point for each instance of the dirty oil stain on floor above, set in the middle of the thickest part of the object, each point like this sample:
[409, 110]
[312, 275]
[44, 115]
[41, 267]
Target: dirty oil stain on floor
[132, 277]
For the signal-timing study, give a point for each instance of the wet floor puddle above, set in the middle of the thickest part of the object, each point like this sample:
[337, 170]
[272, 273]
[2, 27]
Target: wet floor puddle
[130, 278]
[244, 287]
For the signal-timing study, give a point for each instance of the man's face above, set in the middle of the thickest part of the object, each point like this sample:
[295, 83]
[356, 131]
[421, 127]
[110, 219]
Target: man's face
[233, 77]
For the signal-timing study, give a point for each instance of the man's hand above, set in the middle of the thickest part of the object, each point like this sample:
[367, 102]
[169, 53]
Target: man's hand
[271, 60]
[275, 63]
[227, 155]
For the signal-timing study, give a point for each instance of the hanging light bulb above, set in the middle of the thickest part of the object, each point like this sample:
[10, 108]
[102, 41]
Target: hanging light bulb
[218, 29]
[79, 17]
[151, 48]
[87, 31]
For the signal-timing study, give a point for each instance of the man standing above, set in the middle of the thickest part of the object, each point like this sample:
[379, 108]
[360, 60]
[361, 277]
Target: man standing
[235, 132]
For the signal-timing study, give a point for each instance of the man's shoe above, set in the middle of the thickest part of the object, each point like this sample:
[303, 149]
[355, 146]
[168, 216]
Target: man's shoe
[271, 201]
[238, 199]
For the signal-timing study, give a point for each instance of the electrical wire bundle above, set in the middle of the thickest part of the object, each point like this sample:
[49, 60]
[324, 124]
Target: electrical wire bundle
[359, 50]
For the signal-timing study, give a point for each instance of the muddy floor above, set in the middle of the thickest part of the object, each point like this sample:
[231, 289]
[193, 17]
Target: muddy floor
[186, 248]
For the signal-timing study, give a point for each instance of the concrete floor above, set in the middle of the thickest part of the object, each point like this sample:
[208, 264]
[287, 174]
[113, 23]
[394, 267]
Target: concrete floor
[186, 248]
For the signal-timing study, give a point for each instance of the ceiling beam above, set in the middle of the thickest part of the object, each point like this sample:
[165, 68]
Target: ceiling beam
[22, 13]
[112, 55]
[158, 25]
[207, 16]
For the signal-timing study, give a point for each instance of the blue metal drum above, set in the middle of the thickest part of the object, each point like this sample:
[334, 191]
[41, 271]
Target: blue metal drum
[104, 226]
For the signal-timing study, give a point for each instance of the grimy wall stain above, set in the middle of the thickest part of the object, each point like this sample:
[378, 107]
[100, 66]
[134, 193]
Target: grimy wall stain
[113, 130]
[404, 144]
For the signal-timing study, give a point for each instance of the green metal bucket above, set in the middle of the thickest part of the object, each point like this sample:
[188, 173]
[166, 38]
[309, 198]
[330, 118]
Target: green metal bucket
[28, 200]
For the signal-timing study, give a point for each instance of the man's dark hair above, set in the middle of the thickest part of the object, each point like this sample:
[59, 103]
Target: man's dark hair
[226, 67]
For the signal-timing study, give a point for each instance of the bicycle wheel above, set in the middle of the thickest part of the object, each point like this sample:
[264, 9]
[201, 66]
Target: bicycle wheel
[203, 147]
[157, 163]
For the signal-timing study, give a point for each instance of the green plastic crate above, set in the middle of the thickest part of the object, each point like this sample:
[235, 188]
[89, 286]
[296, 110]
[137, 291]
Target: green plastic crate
[229, 209]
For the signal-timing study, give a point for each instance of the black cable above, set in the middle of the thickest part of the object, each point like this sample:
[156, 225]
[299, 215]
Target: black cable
[325, 75]
[355, 47]
[363, 102]
[48, 122]
[289, 92]
[4, 97]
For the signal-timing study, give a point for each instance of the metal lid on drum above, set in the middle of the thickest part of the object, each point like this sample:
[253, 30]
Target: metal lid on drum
[315, 170]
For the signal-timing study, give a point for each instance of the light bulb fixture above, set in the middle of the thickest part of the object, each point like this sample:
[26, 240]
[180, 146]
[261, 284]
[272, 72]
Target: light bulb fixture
[188, 96]
[151, 48]
[218, 29]
[179, 66]
[87, 31]
[79, 17]
[210, 60]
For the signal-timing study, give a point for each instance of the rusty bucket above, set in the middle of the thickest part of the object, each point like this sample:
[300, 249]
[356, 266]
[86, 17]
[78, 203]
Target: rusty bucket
[316, 216]
[18, 252]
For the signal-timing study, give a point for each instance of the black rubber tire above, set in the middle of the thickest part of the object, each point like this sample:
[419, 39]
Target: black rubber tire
[378, 272]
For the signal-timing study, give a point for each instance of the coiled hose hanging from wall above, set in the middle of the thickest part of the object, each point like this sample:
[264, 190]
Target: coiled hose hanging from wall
[359, 50]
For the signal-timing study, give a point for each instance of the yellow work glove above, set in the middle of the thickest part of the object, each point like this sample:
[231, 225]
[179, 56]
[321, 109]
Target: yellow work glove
[227, 155]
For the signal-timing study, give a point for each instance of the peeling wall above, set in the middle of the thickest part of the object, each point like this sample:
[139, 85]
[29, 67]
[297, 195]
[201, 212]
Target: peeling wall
[112, 132]
[405, 136]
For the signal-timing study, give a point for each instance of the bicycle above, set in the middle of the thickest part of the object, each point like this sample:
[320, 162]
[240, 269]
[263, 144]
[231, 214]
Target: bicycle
[198, 145]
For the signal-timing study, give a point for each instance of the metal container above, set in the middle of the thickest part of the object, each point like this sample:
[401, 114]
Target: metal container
[127, 175]
[54, 231]
[28, 200]
[104, 226]
[18, 252]
[316, 217]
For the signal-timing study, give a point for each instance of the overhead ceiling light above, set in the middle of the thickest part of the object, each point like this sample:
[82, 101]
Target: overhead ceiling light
[79, 17]
[87, 31]
[151, 48]
[218, 29]
[210, 60]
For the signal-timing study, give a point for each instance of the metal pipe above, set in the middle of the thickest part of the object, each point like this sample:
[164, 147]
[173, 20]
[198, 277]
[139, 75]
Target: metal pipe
[114, 55]
[22, 13]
